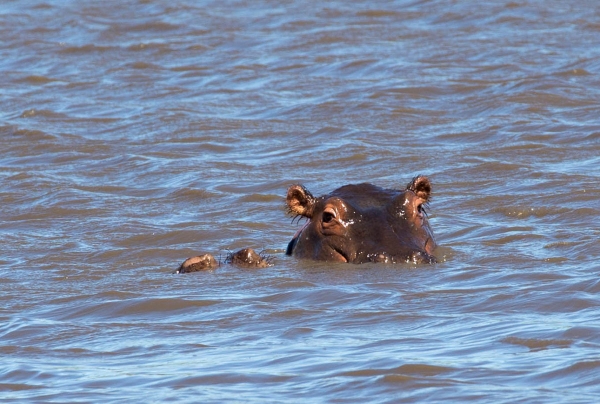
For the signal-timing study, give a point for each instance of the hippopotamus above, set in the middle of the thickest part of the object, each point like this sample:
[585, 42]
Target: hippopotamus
[356, 223]
[245, 258]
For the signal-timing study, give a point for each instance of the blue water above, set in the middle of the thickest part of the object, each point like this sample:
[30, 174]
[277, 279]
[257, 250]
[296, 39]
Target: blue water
[133, 136]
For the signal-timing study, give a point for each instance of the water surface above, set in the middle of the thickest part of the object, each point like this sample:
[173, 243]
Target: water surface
[136, 134]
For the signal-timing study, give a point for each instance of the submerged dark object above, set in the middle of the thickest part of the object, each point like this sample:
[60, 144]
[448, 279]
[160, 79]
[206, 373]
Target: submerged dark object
[355, 223]
[199, 263]
[245, 258]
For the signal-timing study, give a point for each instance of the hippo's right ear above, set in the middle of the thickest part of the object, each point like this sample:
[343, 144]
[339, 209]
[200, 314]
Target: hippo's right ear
[421, 186]
[300, 201]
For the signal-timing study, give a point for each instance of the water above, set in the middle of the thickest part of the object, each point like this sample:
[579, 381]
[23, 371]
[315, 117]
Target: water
[136, 134]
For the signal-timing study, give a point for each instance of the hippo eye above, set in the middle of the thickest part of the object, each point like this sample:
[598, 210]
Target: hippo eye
[328, 217]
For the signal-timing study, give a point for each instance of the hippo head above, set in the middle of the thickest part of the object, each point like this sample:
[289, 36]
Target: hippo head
[363, 223]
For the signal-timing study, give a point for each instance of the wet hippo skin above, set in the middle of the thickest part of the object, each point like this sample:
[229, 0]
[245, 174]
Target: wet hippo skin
[364, 223]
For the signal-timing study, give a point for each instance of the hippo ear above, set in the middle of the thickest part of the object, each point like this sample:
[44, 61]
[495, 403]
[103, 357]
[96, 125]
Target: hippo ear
[421, 186]
[300, 201]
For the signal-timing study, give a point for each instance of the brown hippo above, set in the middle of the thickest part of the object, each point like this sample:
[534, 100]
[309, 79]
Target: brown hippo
[355, 223]
[245, 258]
[364, 223]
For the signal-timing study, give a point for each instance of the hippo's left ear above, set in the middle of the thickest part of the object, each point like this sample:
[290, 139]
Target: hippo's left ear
[421, 186]
[300, 201]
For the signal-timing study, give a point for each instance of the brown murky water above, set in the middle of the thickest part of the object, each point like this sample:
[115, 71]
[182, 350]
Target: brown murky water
[136, 134]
